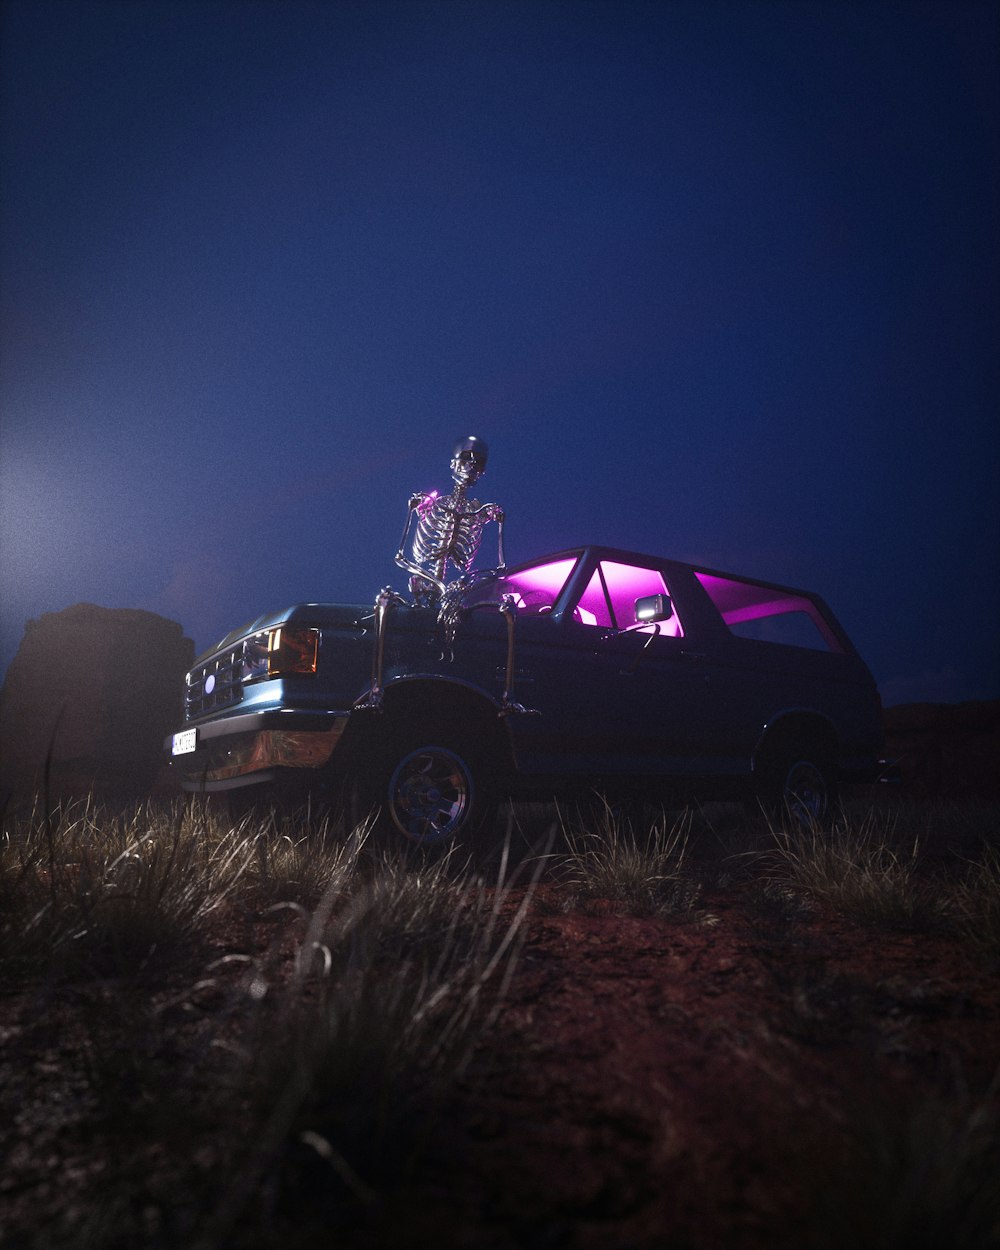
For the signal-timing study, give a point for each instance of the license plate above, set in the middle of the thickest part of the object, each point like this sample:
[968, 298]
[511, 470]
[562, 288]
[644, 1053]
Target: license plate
[184, 742]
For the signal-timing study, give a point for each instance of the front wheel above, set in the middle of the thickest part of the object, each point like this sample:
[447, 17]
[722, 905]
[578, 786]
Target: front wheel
[431, 793]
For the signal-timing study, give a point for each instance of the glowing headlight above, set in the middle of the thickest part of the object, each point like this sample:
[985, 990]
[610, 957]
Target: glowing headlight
[292, 649]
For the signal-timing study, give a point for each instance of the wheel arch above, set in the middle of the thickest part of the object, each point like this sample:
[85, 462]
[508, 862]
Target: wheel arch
[791, 728]
[444, 703]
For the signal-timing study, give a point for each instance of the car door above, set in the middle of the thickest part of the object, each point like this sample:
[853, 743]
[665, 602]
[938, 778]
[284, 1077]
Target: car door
[614, 699]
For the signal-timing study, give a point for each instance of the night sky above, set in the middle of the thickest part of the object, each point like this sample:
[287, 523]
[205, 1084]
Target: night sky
[717, 281]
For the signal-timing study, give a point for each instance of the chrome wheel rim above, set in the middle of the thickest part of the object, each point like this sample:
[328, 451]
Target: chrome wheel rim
[805, 793]
[430, 795]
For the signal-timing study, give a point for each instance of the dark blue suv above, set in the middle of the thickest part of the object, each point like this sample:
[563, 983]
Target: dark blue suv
[592, 668]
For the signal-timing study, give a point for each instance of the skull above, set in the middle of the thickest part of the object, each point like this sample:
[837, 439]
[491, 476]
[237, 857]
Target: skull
[468, 460]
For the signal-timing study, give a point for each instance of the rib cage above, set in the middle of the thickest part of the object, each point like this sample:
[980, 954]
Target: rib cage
[450, 528]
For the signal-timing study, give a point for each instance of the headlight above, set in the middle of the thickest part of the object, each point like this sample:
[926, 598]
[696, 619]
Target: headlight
[292, 649]
[255, 657]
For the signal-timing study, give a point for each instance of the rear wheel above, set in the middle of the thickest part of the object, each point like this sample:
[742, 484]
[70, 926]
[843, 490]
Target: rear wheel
[798, 785]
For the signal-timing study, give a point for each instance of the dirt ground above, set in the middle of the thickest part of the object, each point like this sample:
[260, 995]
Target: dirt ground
[760, 1076]
[755, 1072]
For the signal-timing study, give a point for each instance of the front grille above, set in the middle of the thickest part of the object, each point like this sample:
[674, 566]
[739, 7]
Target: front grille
[215, 685]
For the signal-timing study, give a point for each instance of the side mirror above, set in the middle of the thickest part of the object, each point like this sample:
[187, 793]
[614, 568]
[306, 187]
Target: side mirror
[653, 608]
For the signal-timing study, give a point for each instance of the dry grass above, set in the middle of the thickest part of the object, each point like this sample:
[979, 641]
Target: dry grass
[89, 892]
[644, 874]
[346, 1060]
[897, 869]
[254, 1028]
[974, 904]
[910, 1175]
[862, 869]
[217, 1089]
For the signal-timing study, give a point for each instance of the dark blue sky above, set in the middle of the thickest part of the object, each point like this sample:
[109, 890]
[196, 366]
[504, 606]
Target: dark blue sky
[719, 281]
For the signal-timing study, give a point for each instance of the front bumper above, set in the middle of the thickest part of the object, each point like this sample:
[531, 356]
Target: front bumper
[249, 749]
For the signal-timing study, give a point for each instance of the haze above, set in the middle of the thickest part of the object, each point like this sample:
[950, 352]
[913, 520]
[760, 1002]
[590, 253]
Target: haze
[717, 281]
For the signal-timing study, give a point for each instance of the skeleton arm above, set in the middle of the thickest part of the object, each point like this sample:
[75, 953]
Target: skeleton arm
[498, 516]
[417, 501]
[420, 503]
[484, 513]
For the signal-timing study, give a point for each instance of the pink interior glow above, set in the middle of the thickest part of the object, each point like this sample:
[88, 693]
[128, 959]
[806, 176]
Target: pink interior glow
[772, 607]
[740, 602]
[625, 583]
[743, 601]
[539, 587]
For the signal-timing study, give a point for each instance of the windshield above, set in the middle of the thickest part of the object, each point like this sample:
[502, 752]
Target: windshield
[535, 589]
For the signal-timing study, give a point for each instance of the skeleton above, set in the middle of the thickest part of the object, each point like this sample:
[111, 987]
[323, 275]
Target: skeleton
[449, 529]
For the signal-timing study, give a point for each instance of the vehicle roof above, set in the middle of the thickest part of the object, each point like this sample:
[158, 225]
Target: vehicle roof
[600, 552]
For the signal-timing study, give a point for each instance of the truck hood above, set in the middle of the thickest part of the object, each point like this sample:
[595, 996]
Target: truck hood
[323, 615]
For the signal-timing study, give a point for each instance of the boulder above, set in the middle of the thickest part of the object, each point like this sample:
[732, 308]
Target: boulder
[98, 687]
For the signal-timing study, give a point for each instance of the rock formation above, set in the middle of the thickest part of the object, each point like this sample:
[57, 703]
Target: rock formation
[101, 688]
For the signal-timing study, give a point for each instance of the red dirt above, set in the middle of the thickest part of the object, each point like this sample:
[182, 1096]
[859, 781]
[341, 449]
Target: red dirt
[704, 1082]
[698, 1084]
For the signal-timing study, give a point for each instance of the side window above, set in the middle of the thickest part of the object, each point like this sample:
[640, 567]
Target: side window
[763, 614]
[790, 629]
[609, 600]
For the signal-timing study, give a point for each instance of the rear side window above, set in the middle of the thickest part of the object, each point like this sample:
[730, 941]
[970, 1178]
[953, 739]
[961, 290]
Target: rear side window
[763, 614]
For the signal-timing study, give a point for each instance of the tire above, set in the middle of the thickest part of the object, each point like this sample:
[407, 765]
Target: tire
[798, 786]
[432, 791]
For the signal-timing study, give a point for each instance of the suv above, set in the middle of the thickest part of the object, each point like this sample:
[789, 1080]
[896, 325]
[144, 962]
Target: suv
[589, 668]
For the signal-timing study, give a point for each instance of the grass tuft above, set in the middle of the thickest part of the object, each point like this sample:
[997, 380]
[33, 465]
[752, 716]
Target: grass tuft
[302, 1070]
[644, 876]
[345, 1062]
[975, 904]
[87, 891]
[913, 1177]
[860, 869]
